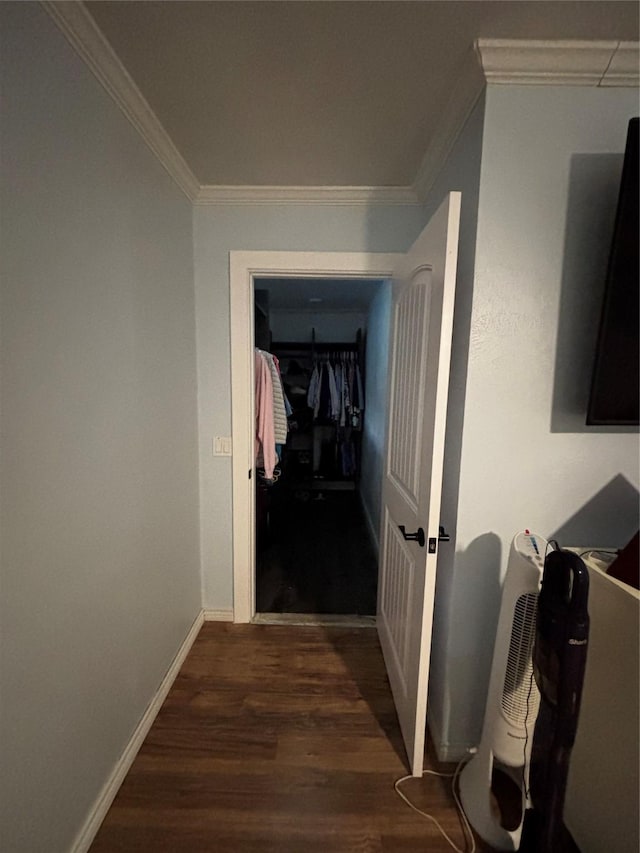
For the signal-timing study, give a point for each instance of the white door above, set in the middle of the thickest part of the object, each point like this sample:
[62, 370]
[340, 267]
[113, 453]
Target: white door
[422, 322]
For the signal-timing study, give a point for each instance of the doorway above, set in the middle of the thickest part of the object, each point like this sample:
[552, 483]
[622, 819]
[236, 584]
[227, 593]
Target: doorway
[420, 345]
[247, 269]
[317, 513]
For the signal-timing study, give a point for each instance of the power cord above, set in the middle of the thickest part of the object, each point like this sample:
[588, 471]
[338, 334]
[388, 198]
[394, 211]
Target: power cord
[463, 818]
[525, 786]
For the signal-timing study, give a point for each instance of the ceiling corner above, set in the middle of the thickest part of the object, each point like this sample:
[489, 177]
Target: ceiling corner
[84, 35]
[487, 61]
[465, 91]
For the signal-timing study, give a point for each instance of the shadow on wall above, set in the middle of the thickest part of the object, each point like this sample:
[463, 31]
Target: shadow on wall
[594, 182]
[608, 520]
[474, 615]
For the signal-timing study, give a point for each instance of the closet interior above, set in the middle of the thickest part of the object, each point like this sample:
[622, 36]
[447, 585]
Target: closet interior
[317, 463]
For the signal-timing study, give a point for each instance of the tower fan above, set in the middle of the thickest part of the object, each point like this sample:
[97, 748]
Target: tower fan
[512, 701]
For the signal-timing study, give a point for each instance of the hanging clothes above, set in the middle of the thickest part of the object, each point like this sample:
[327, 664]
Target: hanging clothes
[336, 397]
[279, 408]
[348, 463]
[313, 400]
[335, 392]
[271, 412]
[265, 449]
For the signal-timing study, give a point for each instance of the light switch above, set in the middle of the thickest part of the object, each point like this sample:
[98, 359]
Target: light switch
[222, 445]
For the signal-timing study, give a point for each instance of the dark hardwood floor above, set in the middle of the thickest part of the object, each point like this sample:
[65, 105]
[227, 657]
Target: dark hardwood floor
[277, 738]
[316, 556]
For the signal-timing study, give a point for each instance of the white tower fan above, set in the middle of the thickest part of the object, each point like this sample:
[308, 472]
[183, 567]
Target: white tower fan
[512, 700]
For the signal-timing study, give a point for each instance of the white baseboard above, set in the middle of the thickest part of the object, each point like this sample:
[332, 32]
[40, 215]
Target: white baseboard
[218, 615]
[101, 806]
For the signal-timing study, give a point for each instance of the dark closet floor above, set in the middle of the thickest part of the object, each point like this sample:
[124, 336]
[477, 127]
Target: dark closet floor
[315, 554]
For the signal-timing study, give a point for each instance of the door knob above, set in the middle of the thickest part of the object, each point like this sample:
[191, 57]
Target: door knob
[418, 536]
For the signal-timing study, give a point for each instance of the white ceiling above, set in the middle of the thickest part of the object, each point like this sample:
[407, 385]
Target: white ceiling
[320, 93]
[320, 294]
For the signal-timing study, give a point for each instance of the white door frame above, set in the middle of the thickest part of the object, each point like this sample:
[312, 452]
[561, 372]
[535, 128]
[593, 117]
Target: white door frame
[244, 267]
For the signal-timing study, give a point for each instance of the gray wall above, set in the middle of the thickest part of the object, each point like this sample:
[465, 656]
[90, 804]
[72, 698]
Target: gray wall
[100, 562]
[551, 159]
[375, 421]
[290, 325]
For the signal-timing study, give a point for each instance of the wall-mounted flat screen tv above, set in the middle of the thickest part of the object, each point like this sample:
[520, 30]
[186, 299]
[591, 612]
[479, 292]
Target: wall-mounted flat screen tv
[615, 381]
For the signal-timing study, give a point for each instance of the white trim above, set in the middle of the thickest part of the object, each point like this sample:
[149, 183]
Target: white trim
[101, 806]
[559, 63]
[243, 267]
[218, 615]
[460, 102]
[624, 68]
[306, 195]
[84, 35]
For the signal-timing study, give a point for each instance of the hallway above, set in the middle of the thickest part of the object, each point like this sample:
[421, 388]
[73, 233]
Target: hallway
[278, 740]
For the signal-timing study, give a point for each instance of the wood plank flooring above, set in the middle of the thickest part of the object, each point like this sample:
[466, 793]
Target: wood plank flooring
[277, 738]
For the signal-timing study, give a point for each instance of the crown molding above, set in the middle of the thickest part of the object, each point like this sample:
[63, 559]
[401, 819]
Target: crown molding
[517, 62]
[306, 195]
[80, 29]
[464, 94]
[559, 63]
[87, 39]
[624, 68]
[500, 61]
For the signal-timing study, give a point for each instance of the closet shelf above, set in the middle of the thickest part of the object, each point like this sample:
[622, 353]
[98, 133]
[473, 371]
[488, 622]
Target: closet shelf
[313, 346]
